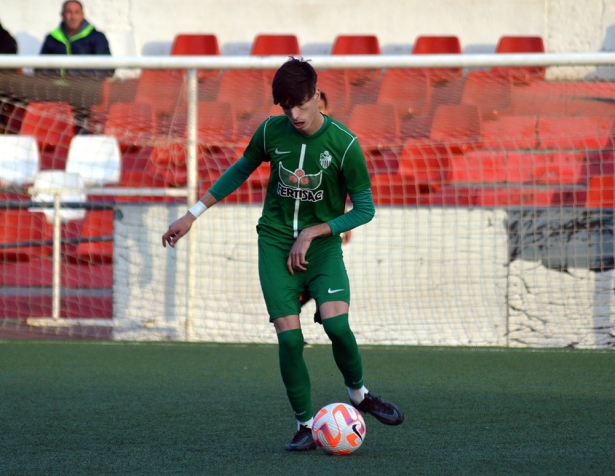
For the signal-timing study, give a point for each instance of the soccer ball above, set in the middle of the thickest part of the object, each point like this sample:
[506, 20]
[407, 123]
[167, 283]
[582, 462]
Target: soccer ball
[338, 429]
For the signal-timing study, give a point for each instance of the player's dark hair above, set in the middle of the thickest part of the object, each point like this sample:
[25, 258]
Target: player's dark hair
[294, 83]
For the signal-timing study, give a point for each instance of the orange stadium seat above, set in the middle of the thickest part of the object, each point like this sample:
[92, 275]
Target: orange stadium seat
[490, 91]
[132, 124]
[576, 132]
[522, 44]
[550, 168]
[425, 161]
[437, 45]
[246, 91]
[265, 45]
[394, 189]
[406, 89]
[195, 44]
[20, 226]
[482, 166]
[458, 126]
[505, 196]
[334, 83]
[163, 90]
[358, 45]
[378, 131]
[510, 132]
[97, 226]
[601, 192]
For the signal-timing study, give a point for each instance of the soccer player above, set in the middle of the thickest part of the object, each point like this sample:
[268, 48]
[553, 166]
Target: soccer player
[315, 163]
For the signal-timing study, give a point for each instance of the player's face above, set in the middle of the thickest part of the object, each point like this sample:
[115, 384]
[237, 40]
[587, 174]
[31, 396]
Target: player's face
[72, 15]
[306, 117]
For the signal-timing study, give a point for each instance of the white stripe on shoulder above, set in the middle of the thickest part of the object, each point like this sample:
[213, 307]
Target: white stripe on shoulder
[352, 136]
[265, 133]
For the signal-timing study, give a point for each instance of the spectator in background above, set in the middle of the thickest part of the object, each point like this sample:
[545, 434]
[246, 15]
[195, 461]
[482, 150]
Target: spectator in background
[76, 36]
[8, 45]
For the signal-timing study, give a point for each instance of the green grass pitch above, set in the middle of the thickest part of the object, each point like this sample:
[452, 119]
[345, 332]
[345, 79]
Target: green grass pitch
[166, 408]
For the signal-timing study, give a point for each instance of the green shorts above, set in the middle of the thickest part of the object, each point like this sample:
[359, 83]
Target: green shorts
[326, 277]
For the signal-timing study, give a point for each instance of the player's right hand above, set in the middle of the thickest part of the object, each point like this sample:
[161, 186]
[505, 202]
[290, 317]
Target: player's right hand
[177, 229]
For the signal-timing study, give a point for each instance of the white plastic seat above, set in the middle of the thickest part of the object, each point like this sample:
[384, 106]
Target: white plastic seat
[48, 180]
[96, 159]
[123, 44]
[19, 160]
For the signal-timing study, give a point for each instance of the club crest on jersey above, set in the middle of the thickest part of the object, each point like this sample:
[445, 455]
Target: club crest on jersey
[299, 185]
[325, 159]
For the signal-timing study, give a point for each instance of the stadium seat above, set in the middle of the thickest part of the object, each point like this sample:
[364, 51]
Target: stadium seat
[551, 168]
[216, 122]
[123, 43]
[505, 196]
[377, 128]
[96, 239]
[576, 132]
[458, 126]
[21, 226]
[358, 45]
[434, 45]
[245, 90]
[425, 161]
[510, 132]
[48, 180]
[483, 166]
[334, 83]
[394, 189]
[19, 160]
[96, 159]
[51, 123]
[163, 90]
[132, 124]
[522, 44]
[406, 89]
[489, 91]
[195, 44]
[601, 192]
[267, 45]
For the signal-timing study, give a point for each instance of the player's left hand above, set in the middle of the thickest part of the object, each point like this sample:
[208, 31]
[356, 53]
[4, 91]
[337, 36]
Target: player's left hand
[296, 258]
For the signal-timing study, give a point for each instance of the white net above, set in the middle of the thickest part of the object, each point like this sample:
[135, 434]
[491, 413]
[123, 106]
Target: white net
[493, 187]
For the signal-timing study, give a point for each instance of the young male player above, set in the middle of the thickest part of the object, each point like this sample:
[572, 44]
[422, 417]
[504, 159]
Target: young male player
[315, 163]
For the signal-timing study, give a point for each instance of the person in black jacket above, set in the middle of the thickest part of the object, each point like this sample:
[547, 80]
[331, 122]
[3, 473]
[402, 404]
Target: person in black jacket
[76, 36]
[8, 45]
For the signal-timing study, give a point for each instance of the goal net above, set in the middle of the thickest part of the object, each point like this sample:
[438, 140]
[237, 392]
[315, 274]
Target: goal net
[493, 189]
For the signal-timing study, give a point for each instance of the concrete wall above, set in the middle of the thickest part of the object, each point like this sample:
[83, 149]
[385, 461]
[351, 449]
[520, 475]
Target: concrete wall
[419, 276]
[566, 25]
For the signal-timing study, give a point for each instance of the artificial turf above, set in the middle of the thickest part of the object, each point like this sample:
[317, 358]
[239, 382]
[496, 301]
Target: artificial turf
[166, 408]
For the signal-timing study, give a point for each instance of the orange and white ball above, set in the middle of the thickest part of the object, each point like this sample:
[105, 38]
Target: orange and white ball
[338, 429]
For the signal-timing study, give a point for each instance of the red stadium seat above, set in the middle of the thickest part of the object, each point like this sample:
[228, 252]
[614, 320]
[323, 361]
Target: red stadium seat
[483, 166]
[510, 132]
[458, 126]
[377, 127]
[20, 226]
[98, 226]
[522, 44]
[394, 189]
[514, 197]
[425, 161]
[576, 132]
[197, 44]
[601, 192]
[246, 91]
[163, 90]
[358, 45]
[550, 168]
[334, 83]
[406, 89]
[267, 45]
[490, 91]
[132, 124]
[437, 45]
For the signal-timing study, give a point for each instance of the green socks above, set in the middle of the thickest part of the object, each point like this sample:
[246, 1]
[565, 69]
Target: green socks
[295, 373]
[345, 350]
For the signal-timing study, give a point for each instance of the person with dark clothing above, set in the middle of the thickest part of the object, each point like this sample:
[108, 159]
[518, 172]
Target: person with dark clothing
[8, 45]
[76, 36]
